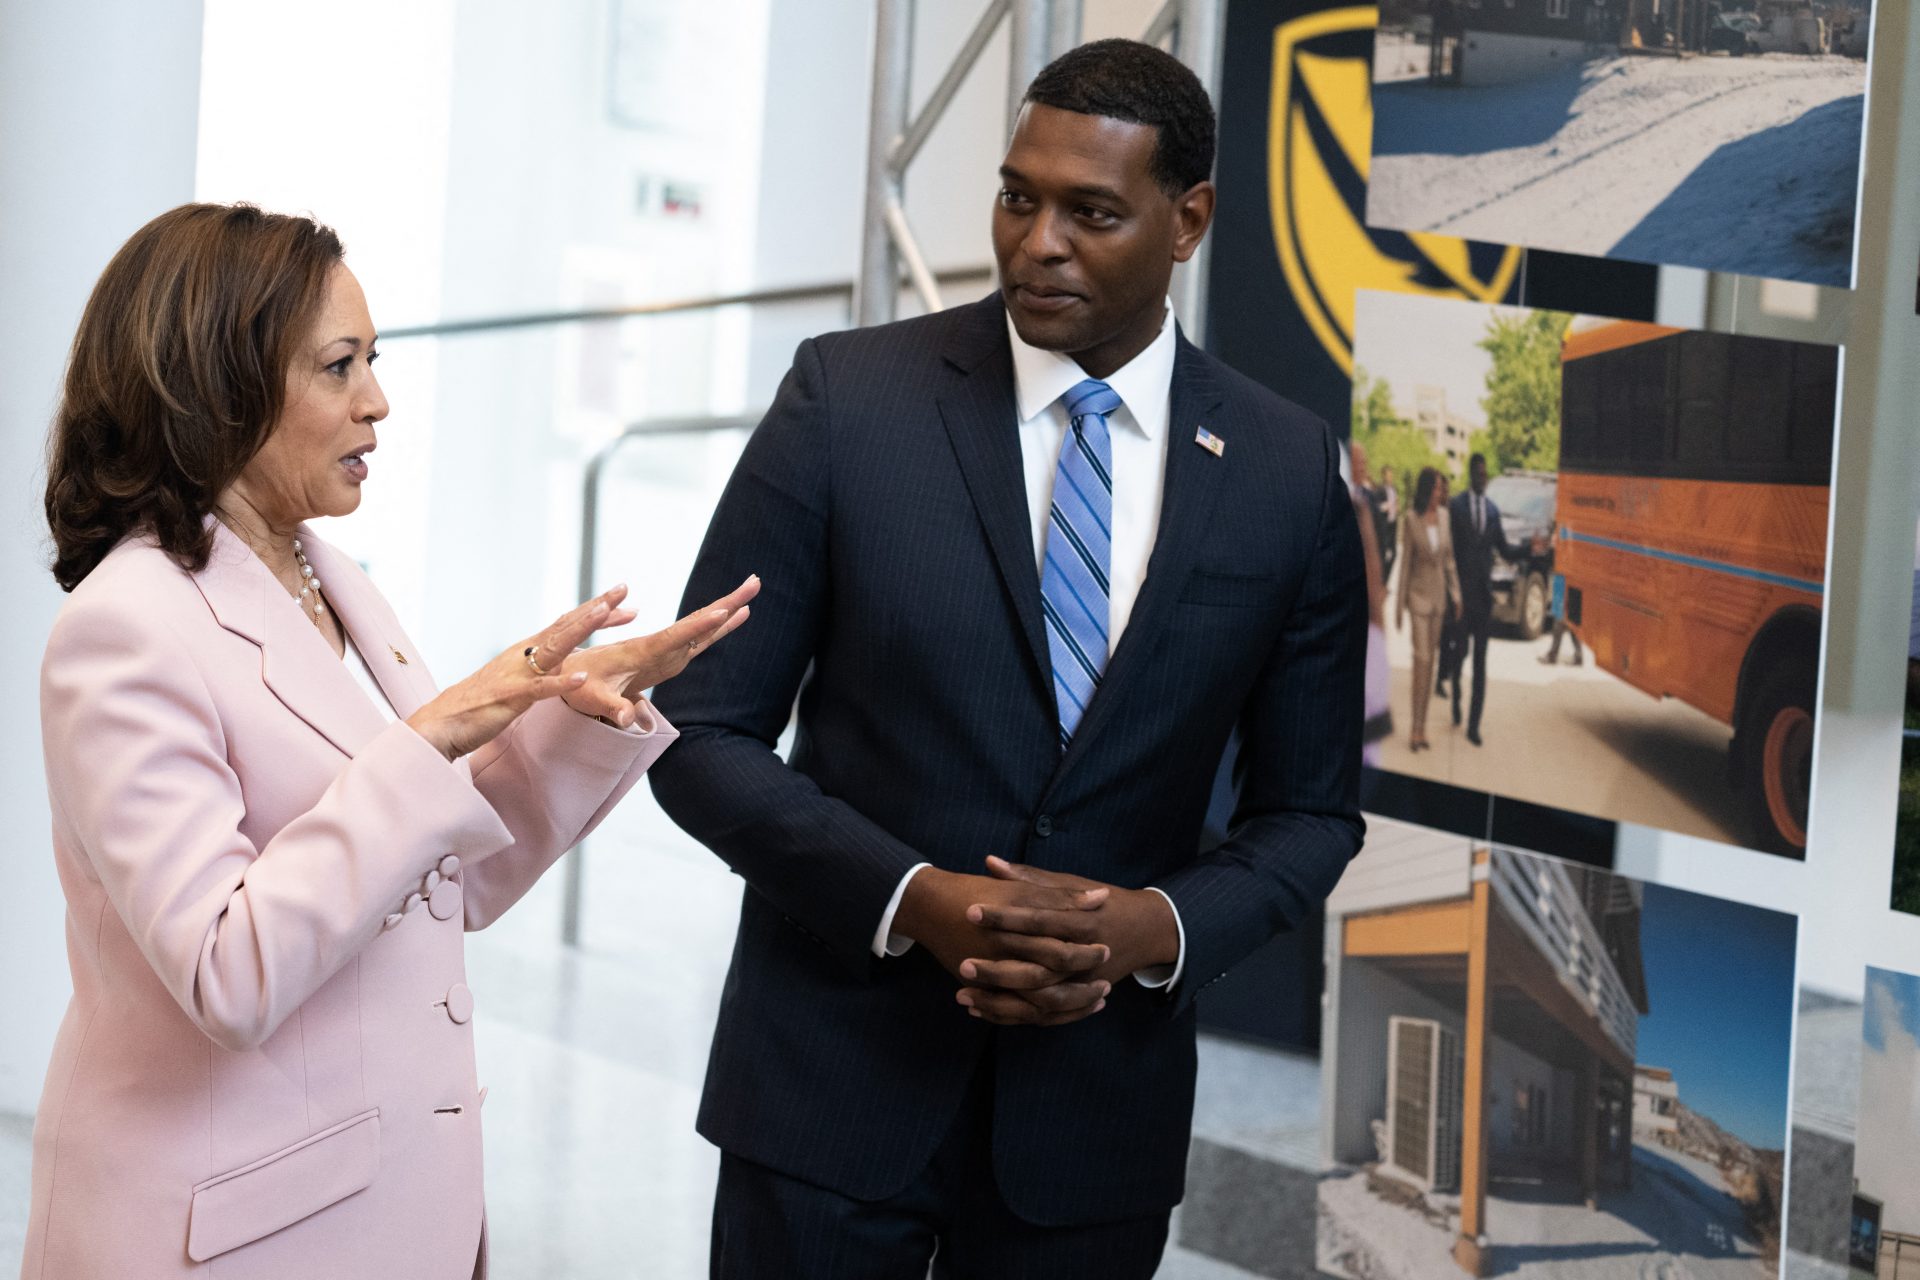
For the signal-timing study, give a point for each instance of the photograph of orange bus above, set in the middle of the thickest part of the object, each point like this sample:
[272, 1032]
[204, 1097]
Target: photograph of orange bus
[1692, 508]
[1671, 489]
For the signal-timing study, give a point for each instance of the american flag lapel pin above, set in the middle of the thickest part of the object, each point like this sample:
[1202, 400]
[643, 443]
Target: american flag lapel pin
[1212, 443]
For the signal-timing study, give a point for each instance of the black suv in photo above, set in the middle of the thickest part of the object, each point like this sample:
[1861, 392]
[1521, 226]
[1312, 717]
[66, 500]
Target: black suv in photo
[1522, 593]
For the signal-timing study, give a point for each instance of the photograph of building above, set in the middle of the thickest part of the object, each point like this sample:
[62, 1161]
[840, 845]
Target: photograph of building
[1490, 1108]
[1722, 134]
[1638, 632]
[1885, 1238]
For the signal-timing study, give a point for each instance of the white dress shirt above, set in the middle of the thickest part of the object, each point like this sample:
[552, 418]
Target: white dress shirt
[1138, 431]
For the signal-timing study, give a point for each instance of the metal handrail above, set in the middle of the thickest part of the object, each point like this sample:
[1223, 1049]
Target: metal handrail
[842, 289]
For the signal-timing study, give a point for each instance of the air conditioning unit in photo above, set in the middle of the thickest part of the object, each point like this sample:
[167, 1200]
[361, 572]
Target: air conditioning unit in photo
[1424, 1101]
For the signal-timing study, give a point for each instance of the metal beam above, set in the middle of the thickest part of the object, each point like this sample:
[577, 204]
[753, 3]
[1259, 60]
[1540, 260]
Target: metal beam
[877, 290]
[1030, 29]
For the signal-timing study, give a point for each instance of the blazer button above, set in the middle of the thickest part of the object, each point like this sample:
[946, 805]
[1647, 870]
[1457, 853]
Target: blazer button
[393, 920]
[431, 883]
[1043, 826]
[449, 865]
[445, 903]
[459, 1002]
[413, 901]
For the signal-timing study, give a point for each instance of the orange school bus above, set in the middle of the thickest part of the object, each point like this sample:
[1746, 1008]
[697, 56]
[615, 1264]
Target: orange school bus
[1694, 478]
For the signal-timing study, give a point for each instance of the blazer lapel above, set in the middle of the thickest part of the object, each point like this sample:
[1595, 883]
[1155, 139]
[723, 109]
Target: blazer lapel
[396, 666]
[1193, 480]
[982, 420]
[296, 663]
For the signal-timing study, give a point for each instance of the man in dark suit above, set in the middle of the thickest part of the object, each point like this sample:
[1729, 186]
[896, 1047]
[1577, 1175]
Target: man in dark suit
[1028, 564]
[1477, 537]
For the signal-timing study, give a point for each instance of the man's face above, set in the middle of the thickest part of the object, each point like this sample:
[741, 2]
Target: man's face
[1086, 239]
[1477, 475]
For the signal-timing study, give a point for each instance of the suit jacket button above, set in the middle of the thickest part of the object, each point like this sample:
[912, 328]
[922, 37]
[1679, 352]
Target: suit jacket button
[459, 1002]
[413, 901]
[431, 883]
[1043, 825]
[449, 865]
[394, 919]
[445, 903]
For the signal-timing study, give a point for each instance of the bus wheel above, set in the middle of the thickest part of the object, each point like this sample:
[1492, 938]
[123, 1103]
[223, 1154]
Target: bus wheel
[1779, 772]
[1533, 607]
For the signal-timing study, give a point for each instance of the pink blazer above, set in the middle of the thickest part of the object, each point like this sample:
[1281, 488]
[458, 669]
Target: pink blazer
[267, 1066]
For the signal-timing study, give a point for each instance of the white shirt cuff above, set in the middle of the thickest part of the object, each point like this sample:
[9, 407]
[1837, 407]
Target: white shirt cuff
[1160, 976]
[885, 941]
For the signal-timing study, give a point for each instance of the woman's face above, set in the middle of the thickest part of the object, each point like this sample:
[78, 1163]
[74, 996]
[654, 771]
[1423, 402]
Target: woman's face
[315, 457]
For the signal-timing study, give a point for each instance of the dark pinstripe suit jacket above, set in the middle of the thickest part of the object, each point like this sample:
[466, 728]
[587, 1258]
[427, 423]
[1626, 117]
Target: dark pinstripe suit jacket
[882, 502]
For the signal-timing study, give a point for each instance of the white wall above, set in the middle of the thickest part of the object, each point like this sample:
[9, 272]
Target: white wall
[97, 114]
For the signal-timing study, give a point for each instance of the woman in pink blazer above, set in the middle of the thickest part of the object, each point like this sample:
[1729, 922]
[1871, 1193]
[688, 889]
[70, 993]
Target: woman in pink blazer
[271, 828]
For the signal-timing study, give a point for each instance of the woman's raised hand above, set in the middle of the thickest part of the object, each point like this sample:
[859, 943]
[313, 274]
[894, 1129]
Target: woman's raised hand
[618, 674]
[466, 716]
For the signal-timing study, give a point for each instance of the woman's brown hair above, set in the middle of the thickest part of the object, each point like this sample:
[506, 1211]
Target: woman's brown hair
[177, 375]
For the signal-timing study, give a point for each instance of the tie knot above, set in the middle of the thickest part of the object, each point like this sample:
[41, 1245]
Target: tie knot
[1092, 396]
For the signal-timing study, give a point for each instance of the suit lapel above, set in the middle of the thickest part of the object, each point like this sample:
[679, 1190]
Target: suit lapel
[369, 621]
[1193, 479]
[982, 420]
[296, 663]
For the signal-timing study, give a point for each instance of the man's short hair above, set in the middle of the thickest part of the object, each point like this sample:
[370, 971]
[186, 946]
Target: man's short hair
[1135, 82]
[1478, 459]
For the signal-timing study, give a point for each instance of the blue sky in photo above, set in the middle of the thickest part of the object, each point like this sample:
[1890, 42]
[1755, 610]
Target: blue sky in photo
[1891, 994]
[1720, 987]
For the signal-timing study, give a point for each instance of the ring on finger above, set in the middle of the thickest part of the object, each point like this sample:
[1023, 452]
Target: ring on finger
[531, 654]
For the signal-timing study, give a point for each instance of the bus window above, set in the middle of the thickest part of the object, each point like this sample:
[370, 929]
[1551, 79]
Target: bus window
[1760, 407]
[1816, 378]
[1701, 425]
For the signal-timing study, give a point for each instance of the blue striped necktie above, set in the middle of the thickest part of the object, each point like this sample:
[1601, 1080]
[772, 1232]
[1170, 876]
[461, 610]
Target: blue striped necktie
[1073, 583]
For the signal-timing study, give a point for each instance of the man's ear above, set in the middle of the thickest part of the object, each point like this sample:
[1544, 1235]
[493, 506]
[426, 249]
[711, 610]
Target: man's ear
[1192, 215]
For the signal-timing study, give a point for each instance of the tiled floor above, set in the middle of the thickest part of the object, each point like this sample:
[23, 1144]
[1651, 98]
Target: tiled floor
[593, 1059]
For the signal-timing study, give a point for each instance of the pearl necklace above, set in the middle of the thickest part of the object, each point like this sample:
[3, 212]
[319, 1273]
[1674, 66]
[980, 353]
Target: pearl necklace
[309, 597]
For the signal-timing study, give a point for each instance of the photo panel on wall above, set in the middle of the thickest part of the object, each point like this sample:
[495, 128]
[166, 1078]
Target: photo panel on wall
[1883, 1242]
[1906, 831]
[1686, 132]
[1610, 561]
[1541, 1069]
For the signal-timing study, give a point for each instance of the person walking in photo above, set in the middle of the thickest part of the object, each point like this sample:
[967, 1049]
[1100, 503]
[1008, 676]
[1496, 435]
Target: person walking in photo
[1477, 538]
[1429, 591]
[1031, 563]
[1379, 709]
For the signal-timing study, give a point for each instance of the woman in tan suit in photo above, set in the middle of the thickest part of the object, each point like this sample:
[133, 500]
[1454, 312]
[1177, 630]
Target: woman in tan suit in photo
[1429, 588]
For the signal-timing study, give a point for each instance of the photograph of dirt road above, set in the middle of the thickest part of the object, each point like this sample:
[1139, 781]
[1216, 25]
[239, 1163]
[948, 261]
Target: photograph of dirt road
[1536, 1069]
[1885, 1237]
[1605, 547]
[1723, 134]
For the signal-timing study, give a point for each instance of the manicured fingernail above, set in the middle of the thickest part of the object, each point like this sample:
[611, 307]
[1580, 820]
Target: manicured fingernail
[577, 678]
[716, 614]
[600, 606]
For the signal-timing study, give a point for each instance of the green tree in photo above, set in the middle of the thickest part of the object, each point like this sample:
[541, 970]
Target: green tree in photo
[1522, 403]
[1390, 439]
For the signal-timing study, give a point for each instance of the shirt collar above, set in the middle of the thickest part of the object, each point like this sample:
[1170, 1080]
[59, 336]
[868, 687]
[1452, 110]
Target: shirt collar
[1144, 384]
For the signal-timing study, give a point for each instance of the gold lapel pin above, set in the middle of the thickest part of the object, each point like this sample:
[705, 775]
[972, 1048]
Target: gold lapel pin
[398, 656]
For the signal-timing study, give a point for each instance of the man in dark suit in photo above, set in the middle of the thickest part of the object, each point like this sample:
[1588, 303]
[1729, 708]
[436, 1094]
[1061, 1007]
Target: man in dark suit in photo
[1477, 537]
[1028, 564]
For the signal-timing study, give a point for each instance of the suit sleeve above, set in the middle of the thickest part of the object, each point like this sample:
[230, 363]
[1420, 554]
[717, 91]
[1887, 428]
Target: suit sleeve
[823, 865]
[551, 777]
[1297, 823]
[138, 770]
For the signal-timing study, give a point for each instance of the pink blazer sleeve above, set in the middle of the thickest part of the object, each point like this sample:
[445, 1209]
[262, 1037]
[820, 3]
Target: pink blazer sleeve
[552, 777]
[137, 766]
